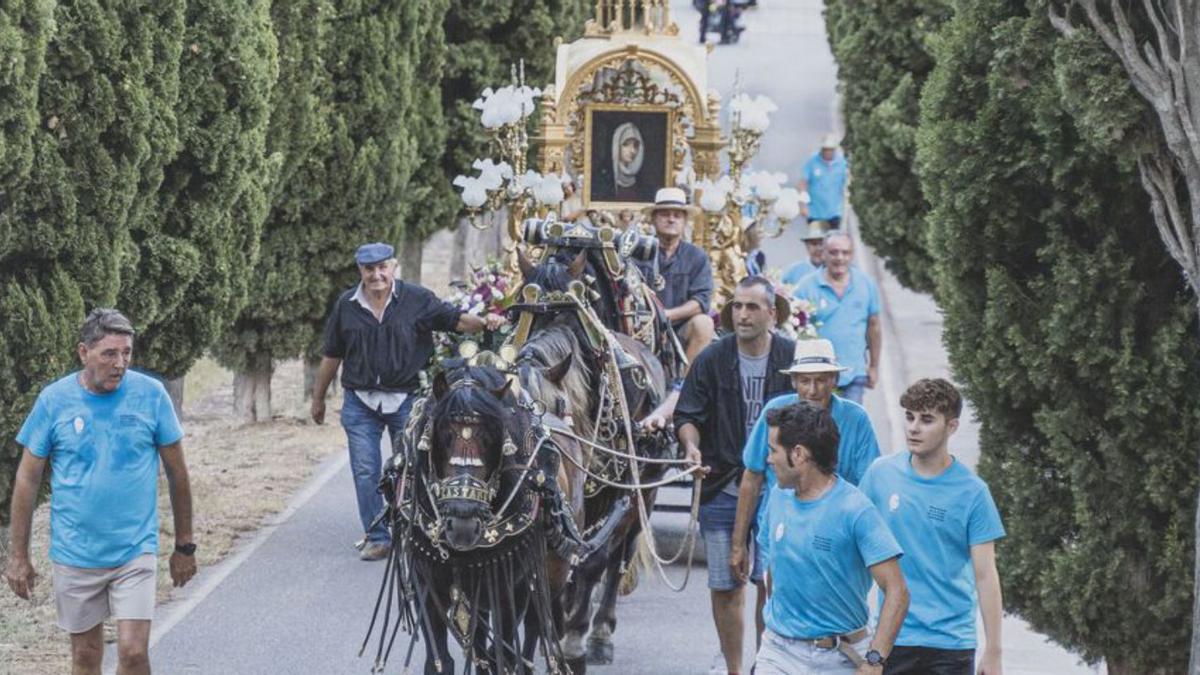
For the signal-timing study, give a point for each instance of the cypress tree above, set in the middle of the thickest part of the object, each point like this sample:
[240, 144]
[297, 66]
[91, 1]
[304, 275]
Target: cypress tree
[286, 306]
[25, 28]
[104, 113]
[198, 241]
[487, 38]
[1071, 328]
[883, 59]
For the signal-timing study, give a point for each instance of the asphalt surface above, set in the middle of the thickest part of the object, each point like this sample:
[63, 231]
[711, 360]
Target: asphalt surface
[296, 599]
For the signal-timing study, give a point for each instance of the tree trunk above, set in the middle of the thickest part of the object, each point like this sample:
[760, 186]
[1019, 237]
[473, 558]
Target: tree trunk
[252, 392]
[1194, 661]
[174, 389]
[410, 252]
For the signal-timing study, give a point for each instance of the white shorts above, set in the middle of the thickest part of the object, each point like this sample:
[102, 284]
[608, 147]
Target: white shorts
[87, 596]
[784, 656]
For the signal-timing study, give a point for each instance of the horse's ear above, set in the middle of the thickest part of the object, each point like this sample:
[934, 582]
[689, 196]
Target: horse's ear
[575, 269]
[440, 385]
[524, 264]
[502, 392]
[557, 372]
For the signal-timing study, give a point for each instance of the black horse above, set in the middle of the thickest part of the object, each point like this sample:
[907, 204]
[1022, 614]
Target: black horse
[560, 367]
[478, 515]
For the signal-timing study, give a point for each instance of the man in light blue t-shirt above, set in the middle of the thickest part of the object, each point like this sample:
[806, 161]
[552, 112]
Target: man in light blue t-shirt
[944, 517]
[823, 543]
[103, 431]
[823, 179]
[814, 370]
[847, 314]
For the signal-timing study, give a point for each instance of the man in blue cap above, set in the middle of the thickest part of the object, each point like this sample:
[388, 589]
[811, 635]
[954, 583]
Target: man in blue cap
[381, 334]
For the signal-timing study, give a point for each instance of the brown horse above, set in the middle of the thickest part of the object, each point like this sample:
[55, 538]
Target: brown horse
[558, 367]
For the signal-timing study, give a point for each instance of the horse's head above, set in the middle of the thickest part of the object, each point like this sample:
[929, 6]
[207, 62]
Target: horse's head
[470, 423]
[554, 370]
[567, 265]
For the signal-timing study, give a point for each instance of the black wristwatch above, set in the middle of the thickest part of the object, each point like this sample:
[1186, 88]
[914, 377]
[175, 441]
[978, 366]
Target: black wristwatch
[874, 658]
[186, 549]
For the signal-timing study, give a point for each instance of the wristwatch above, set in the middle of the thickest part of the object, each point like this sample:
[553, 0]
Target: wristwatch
[874, 658]
[186, 549]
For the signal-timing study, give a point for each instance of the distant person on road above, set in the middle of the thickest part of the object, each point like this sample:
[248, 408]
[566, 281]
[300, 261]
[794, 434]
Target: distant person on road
[722, 396]
[380, 331]
[823, 179]
[847, 314]
[103, 430]
[814, 243]
[813, 372]
[723, 11]
[687, 276]
[823, 542]
[944, 517]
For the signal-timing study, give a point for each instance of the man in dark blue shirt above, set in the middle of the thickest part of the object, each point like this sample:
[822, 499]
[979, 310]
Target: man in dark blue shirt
[381, 334]
[687, 288]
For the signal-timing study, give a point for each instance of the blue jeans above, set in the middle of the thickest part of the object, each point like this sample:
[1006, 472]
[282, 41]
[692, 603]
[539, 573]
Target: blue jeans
[855, 390]
[364, 432]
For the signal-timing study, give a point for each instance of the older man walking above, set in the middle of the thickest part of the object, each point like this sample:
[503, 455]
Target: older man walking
[814, 372]
[847, 314]
[103, 430]
[380, 332]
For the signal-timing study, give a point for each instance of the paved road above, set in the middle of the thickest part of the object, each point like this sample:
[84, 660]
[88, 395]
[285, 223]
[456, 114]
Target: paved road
[297, 600]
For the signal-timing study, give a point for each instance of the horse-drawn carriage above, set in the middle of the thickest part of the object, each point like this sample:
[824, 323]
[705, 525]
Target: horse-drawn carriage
[523, 481]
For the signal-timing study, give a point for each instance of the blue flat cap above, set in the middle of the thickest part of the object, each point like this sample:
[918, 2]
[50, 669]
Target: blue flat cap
[373, 253]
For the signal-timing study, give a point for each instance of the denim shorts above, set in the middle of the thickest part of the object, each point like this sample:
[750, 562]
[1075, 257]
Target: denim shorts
[716, 524]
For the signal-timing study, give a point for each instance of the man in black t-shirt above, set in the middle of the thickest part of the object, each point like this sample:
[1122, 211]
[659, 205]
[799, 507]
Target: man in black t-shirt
[381, 334]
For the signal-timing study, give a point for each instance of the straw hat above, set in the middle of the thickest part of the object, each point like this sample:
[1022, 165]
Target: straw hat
[671, 198]
[816, 230]
[814, 356]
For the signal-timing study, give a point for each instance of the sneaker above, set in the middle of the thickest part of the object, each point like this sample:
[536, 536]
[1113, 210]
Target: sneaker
[375, 551]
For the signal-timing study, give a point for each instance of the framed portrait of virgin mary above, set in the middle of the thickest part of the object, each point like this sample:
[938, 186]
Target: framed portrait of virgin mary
[627, 155]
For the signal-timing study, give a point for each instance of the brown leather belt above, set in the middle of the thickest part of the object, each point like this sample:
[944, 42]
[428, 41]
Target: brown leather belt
[842, 643]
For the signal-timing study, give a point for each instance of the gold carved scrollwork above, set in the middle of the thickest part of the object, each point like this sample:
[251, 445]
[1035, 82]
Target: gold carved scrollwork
[627, 81]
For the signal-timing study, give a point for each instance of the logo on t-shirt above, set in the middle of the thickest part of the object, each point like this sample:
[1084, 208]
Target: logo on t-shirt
[79, 425]
[822, 543]
[779, 532]
[937, 514]
[894, 502]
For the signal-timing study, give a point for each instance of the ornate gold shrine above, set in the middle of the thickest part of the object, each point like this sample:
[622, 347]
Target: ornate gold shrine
[631, 68]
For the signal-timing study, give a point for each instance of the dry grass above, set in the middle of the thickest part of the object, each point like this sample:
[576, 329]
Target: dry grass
[240, 476]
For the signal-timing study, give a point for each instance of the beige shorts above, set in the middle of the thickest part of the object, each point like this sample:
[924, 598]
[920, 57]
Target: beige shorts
[87, 596]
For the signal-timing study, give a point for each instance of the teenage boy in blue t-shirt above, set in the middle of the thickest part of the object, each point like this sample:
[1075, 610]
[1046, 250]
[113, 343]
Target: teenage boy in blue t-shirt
[823, 543]
[944, 517]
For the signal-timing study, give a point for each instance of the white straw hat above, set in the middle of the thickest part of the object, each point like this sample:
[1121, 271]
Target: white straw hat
[814, 356]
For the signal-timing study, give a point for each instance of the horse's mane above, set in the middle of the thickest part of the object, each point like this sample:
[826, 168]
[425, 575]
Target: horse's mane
[545, 349]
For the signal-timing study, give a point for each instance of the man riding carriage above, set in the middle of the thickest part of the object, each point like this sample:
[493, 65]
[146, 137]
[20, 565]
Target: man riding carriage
[522, 483]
